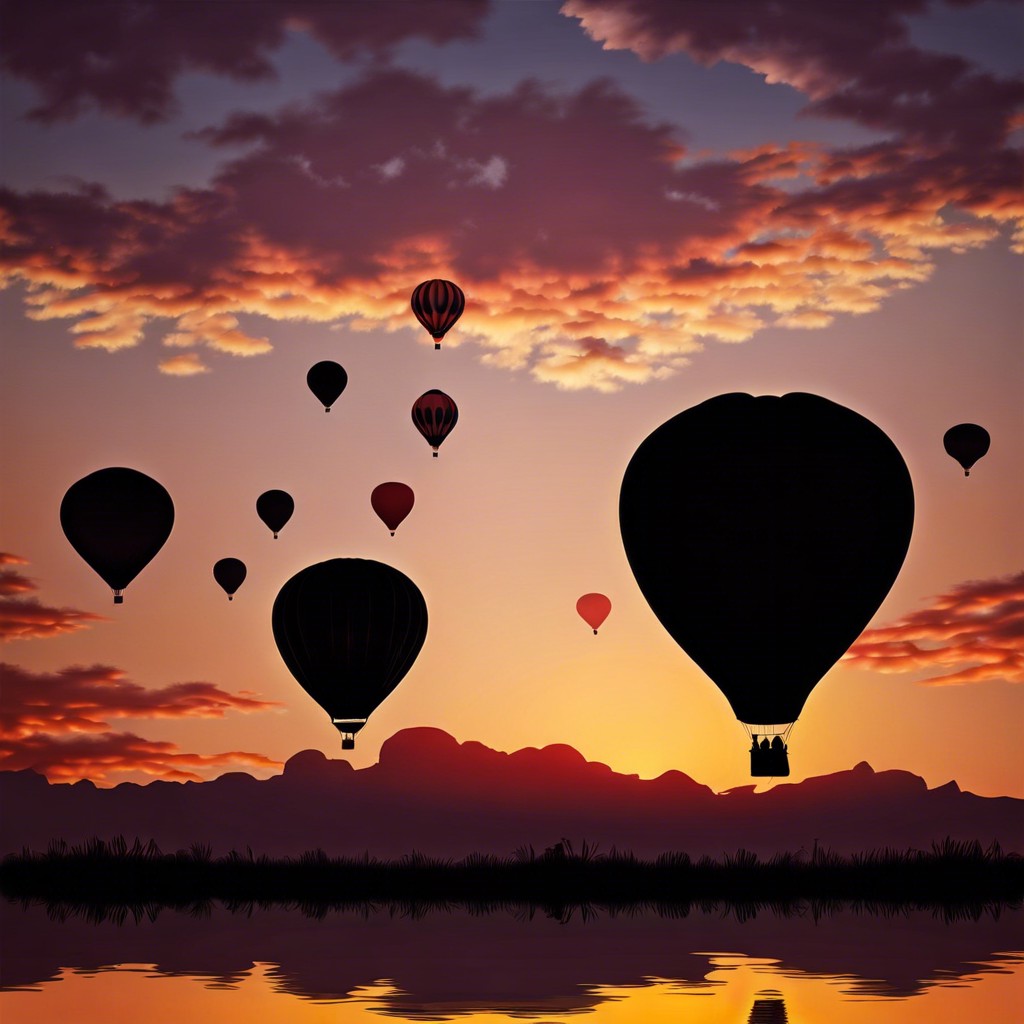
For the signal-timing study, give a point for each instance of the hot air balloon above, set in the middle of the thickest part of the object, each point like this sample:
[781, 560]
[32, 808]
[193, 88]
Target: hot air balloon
[230, 574]
[435, 414]
[966, 442]
[437, 305]
[392, 502]
[764, 533]
[593, 609]
[327, 380]
[275, 508]
[349, 629]
[117, 519]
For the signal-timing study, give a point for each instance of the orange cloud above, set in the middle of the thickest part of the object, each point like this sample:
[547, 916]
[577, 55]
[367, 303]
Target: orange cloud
[24, 618]
[101, 758]
[82, 699]
[593, 249]
[58, 724]
[976, 629]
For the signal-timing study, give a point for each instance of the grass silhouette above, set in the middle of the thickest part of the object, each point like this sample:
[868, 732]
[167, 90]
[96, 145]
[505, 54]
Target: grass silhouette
[112, 873]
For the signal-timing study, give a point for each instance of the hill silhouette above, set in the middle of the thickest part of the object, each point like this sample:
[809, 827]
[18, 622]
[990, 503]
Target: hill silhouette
[432, 794]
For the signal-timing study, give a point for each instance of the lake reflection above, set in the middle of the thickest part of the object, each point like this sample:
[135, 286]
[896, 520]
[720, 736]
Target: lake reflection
[277, 964]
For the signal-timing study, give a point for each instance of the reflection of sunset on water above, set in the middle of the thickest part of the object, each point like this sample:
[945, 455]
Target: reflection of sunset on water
[732, 988]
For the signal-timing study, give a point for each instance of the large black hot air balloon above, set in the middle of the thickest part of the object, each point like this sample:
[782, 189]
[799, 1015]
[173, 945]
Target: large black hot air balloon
[437, 305]
[966, 442]
[435, 415]
[327, 380]
[275, 508]
[117, 519]
[349, 630]
[230, 573]
[764, 533]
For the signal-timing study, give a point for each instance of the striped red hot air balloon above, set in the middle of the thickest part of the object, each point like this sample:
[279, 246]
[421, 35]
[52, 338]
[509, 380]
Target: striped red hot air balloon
[438, 304]
[435, 414]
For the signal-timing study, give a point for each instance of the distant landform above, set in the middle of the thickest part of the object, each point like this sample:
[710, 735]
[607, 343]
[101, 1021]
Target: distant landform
[430, 794]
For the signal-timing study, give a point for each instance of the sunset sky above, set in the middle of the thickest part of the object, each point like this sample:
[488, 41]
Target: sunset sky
[646, 204]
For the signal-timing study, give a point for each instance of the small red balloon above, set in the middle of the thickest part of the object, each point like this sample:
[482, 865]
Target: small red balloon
[392, 502]
[593, 609]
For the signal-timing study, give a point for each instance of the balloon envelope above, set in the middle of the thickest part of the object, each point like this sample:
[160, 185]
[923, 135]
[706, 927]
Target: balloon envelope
[117, 519]
[275, 508]
[349, 629]
[392, 502]
[327, 380]
[438, 304]
[764, 534]
[966, 442]
[230, 574]
[593, 609]
[435, 415]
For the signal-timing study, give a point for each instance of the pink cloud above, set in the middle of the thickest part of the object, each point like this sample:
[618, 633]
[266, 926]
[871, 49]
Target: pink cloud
[124, 58]
[24, 618]
[82, 699]
[976, 629]
[101, 758]
[592, 248]
[59, 723]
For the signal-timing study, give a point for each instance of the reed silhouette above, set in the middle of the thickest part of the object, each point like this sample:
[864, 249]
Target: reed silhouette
[100, 872]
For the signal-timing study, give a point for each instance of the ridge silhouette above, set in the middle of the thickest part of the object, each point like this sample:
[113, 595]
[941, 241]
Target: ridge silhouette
[431, 794]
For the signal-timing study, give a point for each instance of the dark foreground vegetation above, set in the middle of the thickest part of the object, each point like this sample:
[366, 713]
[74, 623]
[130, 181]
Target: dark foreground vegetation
[112, 874]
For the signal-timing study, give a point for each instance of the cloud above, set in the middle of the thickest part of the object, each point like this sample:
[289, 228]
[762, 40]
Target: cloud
[59, 724]
[976, 629]
[188, 364]
[82, 699]
[124, 58]
[593, 249]
[24, 618]
[101, 758]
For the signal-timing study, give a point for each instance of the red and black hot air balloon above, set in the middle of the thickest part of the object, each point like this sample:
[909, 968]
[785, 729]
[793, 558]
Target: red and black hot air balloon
[327, 380]
[435, 414]
[349, 629]
[275, 508]
[966, 442]
[764, 534]
[230, 574]
[593, 609]
[438, 304]
[117, 519]
[392, 502]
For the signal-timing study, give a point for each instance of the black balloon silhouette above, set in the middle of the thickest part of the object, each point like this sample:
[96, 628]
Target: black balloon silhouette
[966, 442]
[438, 304]
[349, 629]
[327, 380]
[275, 508]
[768, 1011]
[230, 574]
[435, 415]
[117, 519]
[764, 534]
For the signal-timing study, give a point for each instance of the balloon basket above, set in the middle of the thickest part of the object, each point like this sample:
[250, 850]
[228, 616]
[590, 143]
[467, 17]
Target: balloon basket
[437, 345]
[118, 599]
